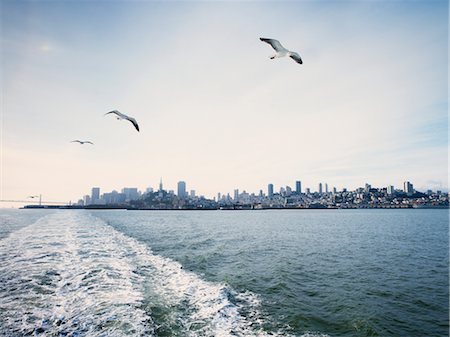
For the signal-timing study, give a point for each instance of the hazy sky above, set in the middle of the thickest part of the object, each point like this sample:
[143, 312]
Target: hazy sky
[369, 104]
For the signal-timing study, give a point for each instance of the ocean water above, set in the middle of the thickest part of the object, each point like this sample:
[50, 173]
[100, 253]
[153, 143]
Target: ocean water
[224, 273]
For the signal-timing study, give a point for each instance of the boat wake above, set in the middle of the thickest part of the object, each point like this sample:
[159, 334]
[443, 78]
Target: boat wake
[72, 274]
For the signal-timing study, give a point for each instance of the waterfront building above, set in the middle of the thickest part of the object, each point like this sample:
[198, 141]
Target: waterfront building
[131, 193]
[334, 190]
[408, 188]
[298, 186]
[270, 190]
[326, 188]
[181, 189]
[236, 195]
[320, 188]
[160, 185]
[288, 190]
[390, 190]
[192, 193]
[95, 195]
[87, 200]
[308, 190]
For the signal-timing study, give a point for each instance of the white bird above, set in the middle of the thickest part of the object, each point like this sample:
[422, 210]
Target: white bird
[281, 51]
[82, 142]
[120, 115]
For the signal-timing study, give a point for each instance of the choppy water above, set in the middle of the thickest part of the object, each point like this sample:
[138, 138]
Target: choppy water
[224, 273]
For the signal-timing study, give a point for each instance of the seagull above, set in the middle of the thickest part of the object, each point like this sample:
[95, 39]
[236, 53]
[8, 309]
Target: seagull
[281, 51]
[82, 142]
[123, 116]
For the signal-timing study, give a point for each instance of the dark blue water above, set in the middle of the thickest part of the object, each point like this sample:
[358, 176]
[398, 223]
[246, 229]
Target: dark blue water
[230, 273]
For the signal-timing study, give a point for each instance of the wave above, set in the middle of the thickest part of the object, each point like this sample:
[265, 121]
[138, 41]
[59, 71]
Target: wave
[71, 274]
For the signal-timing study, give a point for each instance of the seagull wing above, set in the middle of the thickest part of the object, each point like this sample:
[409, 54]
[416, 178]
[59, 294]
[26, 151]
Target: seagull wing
[274, 43]
[133, 121]
[76, 141]
[116, 112]
[89, 142]
[296, 57]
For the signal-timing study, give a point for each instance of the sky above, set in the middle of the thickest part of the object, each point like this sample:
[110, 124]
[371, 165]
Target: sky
[369, 104]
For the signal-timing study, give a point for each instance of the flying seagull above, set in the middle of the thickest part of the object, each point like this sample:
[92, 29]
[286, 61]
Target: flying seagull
[120, 115]
[82, 142]
[281, 51]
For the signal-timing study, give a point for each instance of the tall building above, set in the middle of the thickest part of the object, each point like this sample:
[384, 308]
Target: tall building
[87, 199]
[192, 193]
[181, 189]
[308, 190]
[95, 195]
[390, 190]
[408, 188]
[270, 190]
[326, 188]
[334, 190]
[320, 190]
[160, 184]
[298, 186]
[288, 190]
[236, 195]
[131, 193]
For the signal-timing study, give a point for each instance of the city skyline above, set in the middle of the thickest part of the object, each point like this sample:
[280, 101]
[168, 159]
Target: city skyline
[286, 198]
[369, 103]
[134, 193]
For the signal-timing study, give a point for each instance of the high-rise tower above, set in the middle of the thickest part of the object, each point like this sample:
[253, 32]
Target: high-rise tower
[181, 189]
[270, 190]
[298, 186]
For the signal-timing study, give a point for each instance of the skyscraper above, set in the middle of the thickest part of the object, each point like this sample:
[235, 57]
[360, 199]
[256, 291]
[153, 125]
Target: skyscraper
[326, 188]
[270, 190]
[95, 195]
[131, 193]
[320, 188]
[390, 190]
[182, 189]
[160, 185]
[298, 186]
[408, 188]
[288, 190]
[236, 195]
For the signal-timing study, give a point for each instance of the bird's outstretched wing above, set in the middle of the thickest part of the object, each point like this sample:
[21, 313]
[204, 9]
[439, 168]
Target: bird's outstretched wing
[133, 121]
[88, 142]
[296, 57]
[117, 113]
[76, 141]
[274, 43]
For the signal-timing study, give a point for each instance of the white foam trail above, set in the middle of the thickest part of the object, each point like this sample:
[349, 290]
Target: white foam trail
[67, 274]
[72, 274]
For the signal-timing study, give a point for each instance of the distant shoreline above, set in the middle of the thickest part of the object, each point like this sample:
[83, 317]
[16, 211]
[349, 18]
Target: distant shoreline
[108, 208]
